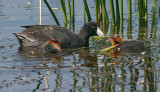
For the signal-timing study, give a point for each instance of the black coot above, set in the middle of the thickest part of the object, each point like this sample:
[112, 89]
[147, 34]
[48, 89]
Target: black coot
[38, 34]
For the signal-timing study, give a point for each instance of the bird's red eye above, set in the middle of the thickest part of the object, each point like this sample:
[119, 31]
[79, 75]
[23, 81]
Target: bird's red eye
[52, 40]
[55, 41]
[93, 27]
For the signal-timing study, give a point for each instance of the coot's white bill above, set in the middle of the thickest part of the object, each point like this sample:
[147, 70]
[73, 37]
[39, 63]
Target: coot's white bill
[99, 32]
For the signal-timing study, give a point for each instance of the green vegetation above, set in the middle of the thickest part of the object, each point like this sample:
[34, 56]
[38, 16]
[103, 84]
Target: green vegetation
[52, 13]
[116, 15]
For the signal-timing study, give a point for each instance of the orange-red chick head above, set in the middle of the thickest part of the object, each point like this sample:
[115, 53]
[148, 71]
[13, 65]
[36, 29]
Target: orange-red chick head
[112, 40]
[54, 41]
[116, 39]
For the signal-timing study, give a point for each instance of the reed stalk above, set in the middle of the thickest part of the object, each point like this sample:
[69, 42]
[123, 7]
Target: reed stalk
[112, 12]
[63, 10]
[40, 12]
[52, 13]
[129, 29]
[73, 10]
[117, 10]
[155, 3]
[154, 21]
[146, 10]
[84, 14]
[69, 10]
[129, 9]
[141, 9]
[87, 10]
[121, 11]
[97, 11]
[121, 28]
[105, 15]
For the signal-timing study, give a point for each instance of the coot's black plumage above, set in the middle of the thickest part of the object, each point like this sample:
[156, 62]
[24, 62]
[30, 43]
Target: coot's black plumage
[38, 34]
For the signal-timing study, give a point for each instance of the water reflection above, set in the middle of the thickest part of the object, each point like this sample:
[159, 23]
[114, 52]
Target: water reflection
[80, 71]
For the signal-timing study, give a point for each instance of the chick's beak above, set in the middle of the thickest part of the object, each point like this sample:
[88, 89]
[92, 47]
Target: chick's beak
[112, 41]
[56, 45]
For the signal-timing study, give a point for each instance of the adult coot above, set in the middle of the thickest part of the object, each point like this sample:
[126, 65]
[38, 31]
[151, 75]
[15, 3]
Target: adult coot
[127, 45]
[35, 35]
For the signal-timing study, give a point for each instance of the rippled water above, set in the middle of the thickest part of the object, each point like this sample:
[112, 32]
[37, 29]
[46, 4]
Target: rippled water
[82, 70]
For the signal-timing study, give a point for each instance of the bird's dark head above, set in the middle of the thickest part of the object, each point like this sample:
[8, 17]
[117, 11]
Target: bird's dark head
[91, 29]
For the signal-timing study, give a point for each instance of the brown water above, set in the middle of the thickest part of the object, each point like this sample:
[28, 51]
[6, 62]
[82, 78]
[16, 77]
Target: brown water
[82, 70]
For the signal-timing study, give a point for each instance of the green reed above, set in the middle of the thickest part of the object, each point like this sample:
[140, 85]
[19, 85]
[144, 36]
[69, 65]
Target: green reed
[155, 3]
[97, 13]
[121, 11]
[73, 10]
[154, 21]
[141, 9]
[69, 10]
[111, 5]
[129, 9]
[52, 13]
[101, 16]
[117, 10]
[63, 10]
[104, 12]
[87, 10]
[84, 14]
[146, 10]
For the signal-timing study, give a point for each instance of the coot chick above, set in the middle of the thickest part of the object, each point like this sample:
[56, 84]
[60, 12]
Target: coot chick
[127, 45]
[37, 34]
[50, 46]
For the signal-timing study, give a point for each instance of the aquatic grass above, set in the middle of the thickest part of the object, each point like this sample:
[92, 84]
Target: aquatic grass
[121, 29]
[117, 10]
[129, 29]
[73, 11]
[101, 16]
[106, 49]
[52, 13]
[97, 9]
[146, 10]
[129, 9]
[121, 11]
[154, 22]
[117, 27]
[111, 5]
[69, 10]
[63, 10]
[87, 10]
[154, 3]
[141, 7]
[104, 12]
[84, 14]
